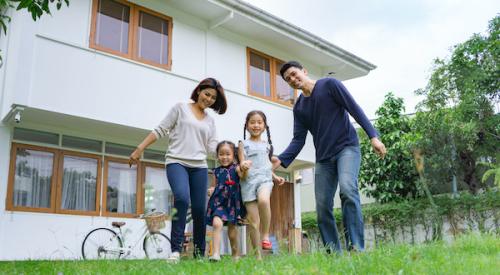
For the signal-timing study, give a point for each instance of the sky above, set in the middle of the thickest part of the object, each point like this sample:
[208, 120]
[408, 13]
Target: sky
[402, 38]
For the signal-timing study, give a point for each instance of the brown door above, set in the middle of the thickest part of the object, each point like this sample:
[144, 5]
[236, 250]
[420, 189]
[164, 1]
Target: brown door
[282, 211]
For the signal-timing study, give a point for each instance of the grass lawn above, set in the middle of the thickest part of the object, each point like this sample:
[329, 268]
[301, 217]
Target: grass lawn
[470, 254]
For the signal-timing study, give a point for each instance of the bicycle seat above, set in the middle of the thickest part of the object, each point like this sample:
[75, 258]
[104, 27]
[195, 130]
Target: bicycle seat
[118, 224]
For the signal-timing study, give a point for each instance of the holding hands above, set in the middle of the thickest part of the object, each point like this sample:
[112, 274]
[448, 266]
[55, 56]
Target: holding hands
[276, 162]
[278, 180]
[245, 165]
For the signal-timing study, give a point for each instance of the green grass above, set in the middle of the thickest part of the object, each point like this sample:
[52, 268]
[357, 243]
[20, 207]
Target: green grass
[470, 254]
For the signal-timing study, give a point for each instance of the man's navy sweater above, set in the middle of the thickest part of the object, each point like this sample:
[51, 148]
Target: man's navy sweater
[325, 113]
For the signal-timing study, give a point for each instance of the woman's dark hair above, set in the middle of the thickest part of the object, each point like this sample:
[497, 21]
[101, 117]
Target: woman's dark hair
[264, 118]
[220, 104]
[231, 145]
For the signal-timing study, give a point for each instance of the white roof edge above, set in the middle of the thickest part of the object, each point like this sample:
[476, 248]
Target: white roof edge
[248, 9]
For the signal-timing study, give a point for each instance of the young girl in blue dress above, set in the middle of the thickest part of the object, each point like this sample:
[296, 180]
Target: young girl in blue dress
[225, 206]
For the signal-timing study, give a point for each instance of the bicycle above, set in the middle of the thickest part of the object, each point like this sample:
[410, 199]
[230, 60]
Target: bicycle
[106, 243]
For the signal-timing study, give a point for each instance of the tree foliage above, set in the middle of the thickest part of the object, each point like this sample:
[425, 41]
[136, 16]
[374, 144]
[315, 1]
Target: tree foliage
[394, 177]
[456, 121]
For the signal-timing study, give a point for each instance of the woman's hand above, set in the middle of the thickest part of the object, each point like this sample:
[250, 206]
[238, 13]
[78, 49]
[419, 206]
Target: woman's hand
[210, 191]
[134, 157]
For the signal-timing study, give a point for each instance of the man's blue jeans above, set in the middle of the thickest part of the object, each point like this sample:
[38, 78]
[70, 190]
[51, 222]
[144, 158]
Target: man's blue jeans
[189, 185]
[341, 170]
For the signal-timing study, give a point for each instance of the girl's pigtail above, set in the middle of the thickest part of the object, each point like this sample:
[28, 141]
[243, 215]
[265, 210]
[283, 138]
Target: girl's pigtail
[271, 149]
[245, 130]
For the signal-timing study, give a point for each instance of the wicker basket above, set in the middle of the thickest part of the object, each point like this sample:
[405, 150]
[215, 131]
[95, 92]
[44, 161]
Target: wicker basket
[155, 221]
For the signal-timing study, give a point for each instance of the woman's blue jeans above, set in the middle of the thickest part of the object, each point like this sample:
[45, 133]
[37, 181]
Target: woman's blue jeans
[189, 185]
[341, 170]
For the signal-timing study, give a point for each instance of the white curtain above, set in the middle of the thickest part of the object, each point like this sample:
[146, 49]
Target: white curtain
[121, 193]
[33, 176]
[157, 193]
[79, 183]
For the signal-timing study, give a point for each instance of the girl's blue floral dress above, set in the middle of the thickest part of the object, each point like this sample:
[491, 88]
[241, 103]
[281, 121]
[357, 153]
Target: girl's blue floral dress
[225, 201]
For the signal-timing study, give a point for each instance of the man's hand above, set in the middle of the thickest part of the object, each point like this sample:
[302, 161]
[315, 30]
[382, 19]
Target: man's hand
[276, 162]
[378, 147]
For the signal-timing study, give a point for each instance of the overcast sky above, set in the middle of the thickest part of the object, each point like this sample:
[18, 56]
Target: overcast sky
[400, 37]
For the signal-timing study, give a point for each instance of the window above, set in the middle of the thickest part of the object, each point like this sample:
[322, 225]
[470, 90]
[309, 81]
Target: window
[118, 149]
[37, 183]
[36, 136]
[131, 31]
[95, 180]
[157, 193]
[82, 143]
[154, 155]
[79, 184]
[32, 185]
[264, 79]
[120, 188]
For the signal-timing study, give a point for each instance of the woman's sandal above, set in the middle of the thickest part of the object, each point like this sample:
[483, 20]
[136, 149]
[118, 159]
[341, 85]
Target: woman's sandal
[267, 245]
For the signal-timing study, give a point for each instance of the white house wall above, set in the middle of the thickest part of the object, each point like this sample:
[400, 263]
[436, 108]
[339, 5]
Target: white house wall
[51, 67]
[57, 71]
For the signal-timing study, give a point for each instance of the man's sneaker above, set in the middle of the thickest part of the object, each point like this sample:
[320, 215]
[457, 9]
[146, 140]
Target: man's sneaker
[214, 258]
[174, 258]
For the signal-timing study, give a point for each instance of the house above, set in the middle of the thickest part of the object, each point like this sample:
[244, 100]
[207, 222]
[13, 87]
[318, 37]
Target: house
[79, 90]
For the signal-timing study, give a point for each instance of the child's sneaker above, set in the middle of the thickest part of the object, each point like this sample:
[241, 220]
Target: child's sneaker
[174, 258]
[267, 245]
[214, 258]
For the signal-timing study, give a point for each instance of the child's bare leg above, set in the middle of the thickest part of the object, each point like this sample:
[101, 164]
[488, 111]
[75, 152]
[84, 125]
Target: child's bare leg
[264, 202]
[253, 226]
[217, 226]
[232, 231]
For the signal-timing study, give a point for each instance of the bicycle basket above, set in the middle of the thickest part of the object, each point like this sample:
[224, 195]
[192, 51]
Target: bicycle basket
[155, 221]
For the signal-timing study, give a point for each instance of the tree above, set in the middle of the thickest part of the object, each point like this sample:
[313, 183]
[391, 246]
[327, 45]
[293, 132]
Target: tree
[456, 120]
[393, 178]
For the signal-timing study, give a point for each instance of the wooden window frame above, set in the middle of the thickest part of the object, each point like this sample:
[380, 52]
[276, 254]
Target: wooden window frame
[132, 34]
[60, 183]
[273, 71]
[138, 190]
[11, 180]
[56, 181]
[57, 177]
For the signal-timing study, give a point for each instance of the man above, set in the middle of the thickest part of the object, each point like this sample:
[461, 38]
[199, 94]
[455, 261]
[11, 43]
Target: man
[323, 109]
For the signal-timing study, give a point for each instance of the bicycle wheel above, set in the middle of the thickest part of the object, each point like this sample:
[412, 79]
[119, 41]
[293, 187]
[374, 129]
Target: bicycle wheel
[102, 243]
[157, 246]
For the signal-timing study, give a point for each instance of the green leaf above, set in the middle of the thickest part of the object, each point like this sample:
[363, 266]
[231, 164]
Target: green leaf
[23, 4]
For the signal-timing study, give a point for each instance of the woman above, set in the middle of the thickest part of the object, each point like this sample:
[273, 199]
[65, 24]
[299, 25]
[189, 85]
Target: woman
[192, 136]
